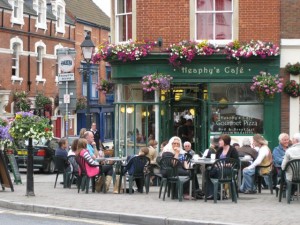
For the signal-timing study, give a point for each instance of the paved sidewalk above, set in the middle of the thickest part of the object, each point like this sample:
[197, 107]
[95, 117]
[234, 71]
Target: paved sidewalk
[147, 209]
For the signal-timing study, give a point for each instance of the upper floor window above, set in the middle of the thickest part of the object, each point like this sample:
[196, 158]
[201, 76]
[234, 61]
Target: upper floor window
[15, 60]
[60, 19]
[123, 20]
[40, 7]
[17, 14]
[214, 20]
[39, 61]
[90, 81]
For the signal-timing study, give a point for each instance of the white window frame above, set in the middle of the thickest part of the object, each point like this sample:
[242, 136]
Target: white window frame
[233, 22]
[117, 23]
[41, 9]
[40, 50]
[17, 13]
[16, 40]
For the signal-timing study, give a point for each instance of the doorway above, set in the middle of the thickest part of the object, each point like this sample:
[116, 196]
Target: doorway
[187, 115]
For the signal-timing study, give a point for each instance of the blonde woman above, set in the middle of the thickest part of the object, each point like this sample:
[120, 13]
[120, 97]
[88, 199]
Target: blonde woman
[264, 158]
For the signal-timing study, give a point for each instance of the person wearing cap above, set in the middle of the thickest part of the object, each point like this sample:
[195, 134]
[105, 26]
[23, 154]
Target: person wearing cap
[214, 145]
[264, 158]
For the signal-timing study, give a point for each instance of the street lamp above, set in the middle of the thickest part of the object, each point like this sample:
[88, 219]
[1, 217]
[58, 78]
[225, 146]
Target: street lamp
[87, 48]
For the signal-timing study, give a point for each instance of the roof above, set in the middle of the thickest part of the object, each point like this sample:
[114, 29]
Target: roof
[4, 4]
[87, 11]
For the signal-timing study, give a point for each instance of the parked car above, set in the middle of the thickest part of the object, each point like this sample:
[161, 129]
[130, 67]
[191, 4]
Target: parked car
[43, 155]
[71, 139]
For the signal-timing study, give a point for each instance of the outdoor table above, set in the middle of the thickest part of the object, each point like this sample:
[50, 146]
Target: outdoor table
[203, 162]
[119, 161]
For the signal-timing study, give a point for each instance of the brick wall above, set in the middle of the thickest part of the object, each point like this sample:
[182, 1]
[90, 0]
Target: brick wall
[170, 20]
[259, 20]
[290, 17]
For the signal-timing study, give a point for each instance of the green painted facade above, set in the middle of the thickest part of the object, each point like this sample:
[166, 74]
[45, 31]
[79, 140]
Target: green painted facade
[206, 70]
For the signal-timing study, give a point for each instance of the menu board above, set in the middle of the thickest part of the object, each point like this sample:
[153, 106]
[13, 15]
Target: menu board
[14, 168]
[4, 174]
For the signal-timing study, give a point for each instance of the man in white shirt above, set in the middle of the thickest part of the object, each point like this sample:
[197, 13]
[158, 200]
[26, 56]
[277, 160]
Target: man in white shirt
[291, 153]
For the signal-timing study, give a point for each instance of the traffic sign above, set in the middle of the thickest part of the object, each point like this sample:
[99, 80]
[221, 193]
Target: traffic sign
[66, 98]
[65, 76]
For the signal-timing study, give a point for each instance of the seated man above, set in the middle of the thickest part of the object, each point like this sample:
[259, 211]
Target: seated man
[292, 153]
[188, 148]
[247, 150]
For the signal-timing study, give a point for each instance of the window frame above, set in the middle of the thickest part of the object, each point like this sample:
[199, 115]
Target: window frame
[40, 7]
[222, 42]
[17, 13]
[117, 21]
[16, 59]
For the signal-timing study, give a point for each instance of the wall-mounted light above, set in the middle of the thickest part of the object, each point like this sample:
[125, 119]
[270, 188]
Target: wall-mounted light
[128, 109]
[192, 111]
[145, 114]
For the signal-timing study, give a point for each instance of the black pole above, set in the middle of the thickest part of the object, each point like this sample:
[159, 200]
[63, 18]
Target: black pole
[29, 188]
[88, 110]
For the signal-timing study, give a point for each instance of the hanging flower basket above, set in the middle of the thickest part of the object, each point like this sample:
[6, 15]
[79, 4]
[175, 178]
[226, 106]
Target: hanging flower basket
[26, 125]
[266, 85]
[81, 103]
[293, 69]
[156, 81]
[105, 86]
[22, 102]
[253, 48]
[187, 50]
[292, 88]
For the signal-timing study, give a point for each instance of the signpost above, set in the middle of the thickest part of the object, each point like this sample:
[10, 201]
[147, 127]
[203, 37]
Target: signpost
[66, 64]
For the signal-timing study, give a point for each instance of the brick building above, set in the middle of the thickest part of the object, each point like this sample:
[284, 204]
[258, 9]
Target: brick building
[31, 32]
[212, 91]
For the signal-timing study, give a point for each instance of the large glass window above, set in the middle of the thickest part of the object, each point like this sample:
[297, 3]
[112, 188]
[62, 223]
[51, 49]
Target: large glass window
[123, 20]
[39, 61]
[235, 110]
[108, 126]
[214, 20]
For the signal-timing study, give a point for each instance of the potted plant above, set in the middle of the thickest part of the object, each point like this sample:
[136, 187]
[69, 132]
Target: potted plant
[293, 68]
[187, 50]
[156, 81]
[81, 103]
[253, 48]
[105, 86]
[26, 125]
[266, 85]
[22, 103]
[292, 88]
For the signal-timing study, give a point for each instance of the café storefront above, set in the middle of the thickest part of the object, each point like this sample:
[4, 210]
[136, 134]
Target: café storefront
[212, 91]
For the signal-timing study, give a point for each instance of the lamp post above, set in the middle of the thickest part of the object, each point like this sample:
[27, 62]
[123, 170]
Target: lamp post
[87, 48]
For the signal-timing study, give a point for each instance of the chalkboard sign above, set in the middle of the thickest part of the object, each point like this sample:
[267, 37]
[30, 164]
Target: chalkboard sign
[15, 169]
[5, 180]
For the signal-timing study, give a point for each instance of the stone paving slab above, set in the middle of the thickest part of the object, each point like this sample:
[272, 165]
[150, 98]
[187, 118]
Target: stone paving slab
[144, 209]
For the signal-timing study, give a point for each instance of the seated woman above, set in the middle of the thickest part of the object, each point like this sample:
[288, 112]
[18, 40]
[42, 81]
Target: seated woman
[152, 155]
[264, 158]
[130, 168]
[174, 149]
[92, 166]
[225, 150]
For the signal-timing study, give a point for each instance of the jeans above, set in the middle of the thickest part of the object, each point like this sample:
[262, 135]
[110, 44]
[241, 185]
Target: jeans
[248, 180]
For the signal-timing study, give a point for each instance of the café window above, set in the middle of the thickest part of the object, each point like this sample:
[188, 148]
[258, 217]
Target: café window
[234, 109]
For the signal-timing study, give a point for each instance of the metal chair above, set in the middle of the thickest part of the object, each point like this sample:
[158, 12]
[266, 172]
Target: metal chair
[292, 167]
[61, 164]
[223, 171]
[74, 170]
